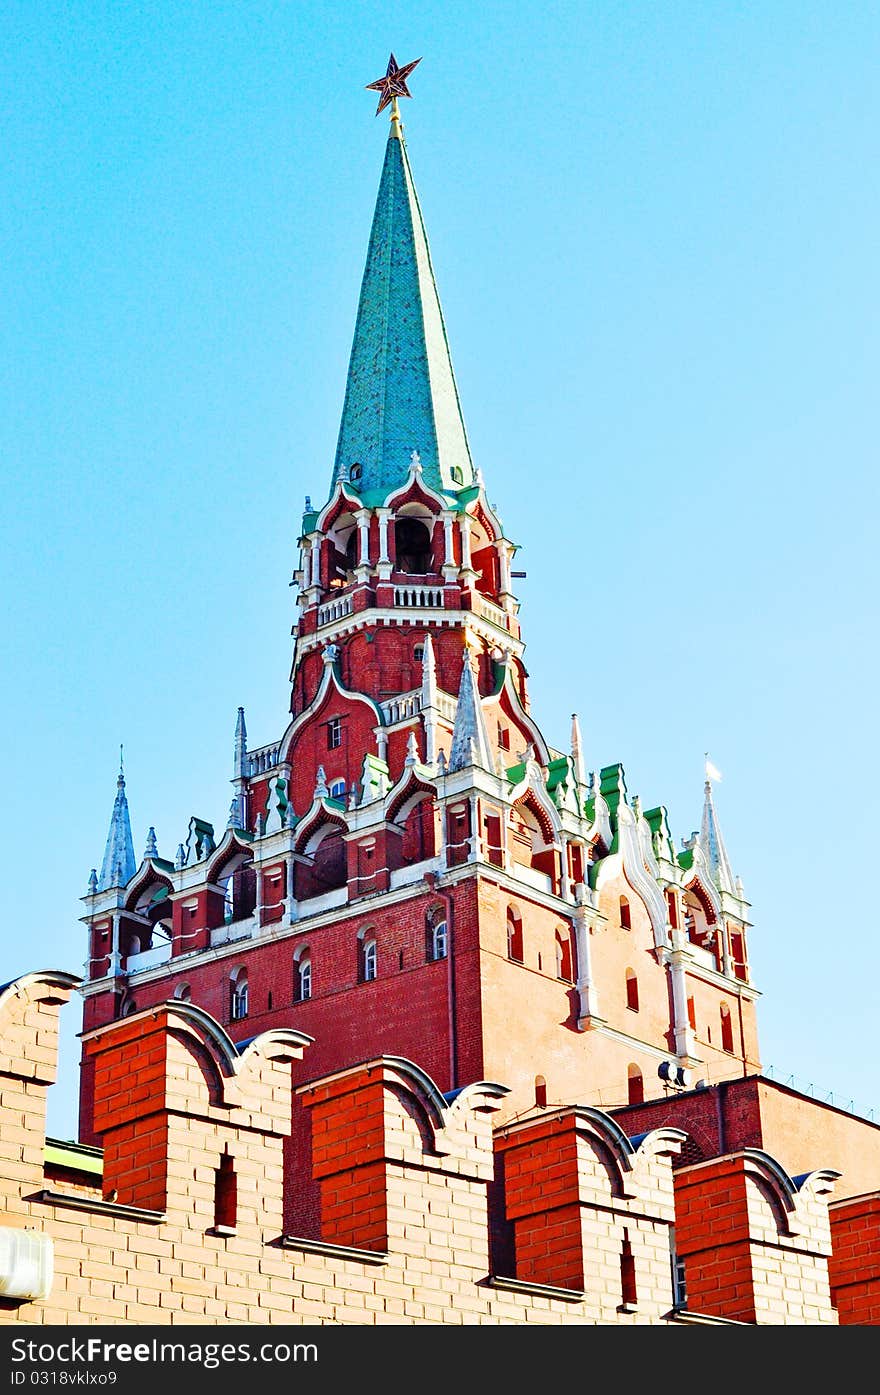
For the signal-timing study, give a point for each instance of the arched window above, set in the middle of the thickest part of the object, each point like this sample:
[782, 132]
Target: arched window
[238, 995]
[419, 653]
[337, 789]
[302, 976]
[635, 1085]
[632, 991]
[327, 868]
[726, 1028]
[412, 543]
[563, 956]
[366, 956]
[127, 1006]
[355, 472]
[437, 939]
[183, 993]
[625, 914]
[514, 935]
[239, 882]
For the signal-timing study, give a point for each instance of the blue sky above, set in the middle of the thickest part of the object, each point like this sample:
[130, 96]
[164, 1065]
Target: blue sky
[654, 227]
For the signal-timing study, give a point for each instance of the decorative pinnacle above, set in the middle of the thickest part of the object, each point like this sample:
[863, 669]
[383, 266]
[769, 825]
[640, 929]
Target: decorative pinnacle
[392, 85]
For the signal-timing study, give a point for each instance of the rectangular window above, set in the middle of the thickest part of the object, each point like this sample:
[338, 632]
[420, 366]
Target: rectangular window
[334, 733]
[225, 1196]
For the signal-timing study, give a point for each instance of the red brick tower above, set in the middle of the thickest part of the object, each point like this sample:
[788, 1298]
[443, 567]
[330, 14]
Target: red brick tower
[410, 868]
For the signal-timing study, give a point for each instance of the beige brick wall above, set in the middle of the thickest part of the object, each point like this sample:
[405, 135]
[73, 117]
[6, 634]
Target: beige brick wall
[117, 1264]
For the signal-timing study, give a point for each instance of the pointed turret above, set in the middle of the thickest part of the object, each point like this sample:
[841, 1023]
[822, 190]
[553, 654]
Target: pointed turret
[470, 741]
[429, 699]
[240, 758]
[712, 844]
[400, 394]
[119, 865]
[577, 751]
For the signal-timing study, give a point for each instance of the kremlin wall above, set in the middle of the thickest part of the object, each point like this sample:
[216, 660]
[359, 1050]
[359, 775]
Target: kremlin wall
[423, 1210]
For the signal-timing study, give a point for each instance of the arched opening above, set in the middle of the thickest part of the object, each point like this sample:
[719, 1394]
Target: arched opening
[699, 921]
[412, 546]
[367, 956]
[237, 896]
[343, 552]
[146, 923]
[738, 955]
[484, 557]
[635, 1085]
[514, 935]
[726, 1028]
[302, 976]
[323, 866]
[532, 849]
[632, 991]
[458, 834]
[625, 914]
[419, 837]
[564, 955]
[127, 1006]
[183, 993]
[238, 995]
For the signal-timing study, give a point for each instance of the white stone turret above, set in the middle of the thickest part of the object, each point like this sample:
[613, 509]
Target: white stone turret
[577, 751]
[430, 708]
[712, 844]
[470, 741]
[119, 865]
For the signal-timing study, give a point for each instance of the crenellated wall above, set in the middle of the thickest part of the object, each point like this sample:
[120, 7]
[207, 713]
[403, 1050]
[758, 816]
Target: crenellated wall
[191, 1216]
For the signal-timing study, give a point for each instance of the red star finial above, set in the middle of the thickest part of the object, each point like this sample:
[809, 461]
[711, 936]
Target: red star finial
[393, 84]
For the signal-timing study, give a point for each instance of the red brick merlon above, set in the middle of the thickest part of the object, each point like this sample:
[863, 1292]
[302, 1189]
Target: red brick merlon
[755, 1242]
[854, 1267]
[173, 1094]
[591, 1209]
[374, 1126]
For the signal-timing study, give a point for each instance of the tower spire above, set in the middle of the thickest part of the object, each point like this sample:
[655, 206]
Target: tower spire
[400, 393]
[711, 839]
[470, 741]
[240, 757]
[119, 865]
[577, 751]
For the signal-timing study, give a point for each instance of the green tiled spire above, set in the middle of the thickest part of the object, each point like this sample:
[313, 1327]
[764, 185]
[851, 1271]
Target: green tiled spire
[401, 395]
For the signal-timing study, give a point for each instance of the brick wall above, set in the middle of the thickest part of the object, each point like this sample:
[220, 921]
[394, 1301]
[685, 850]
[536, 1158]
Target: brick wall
[854, 1267]
[759, 1113]
[392, 1180]
[754, 1243]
